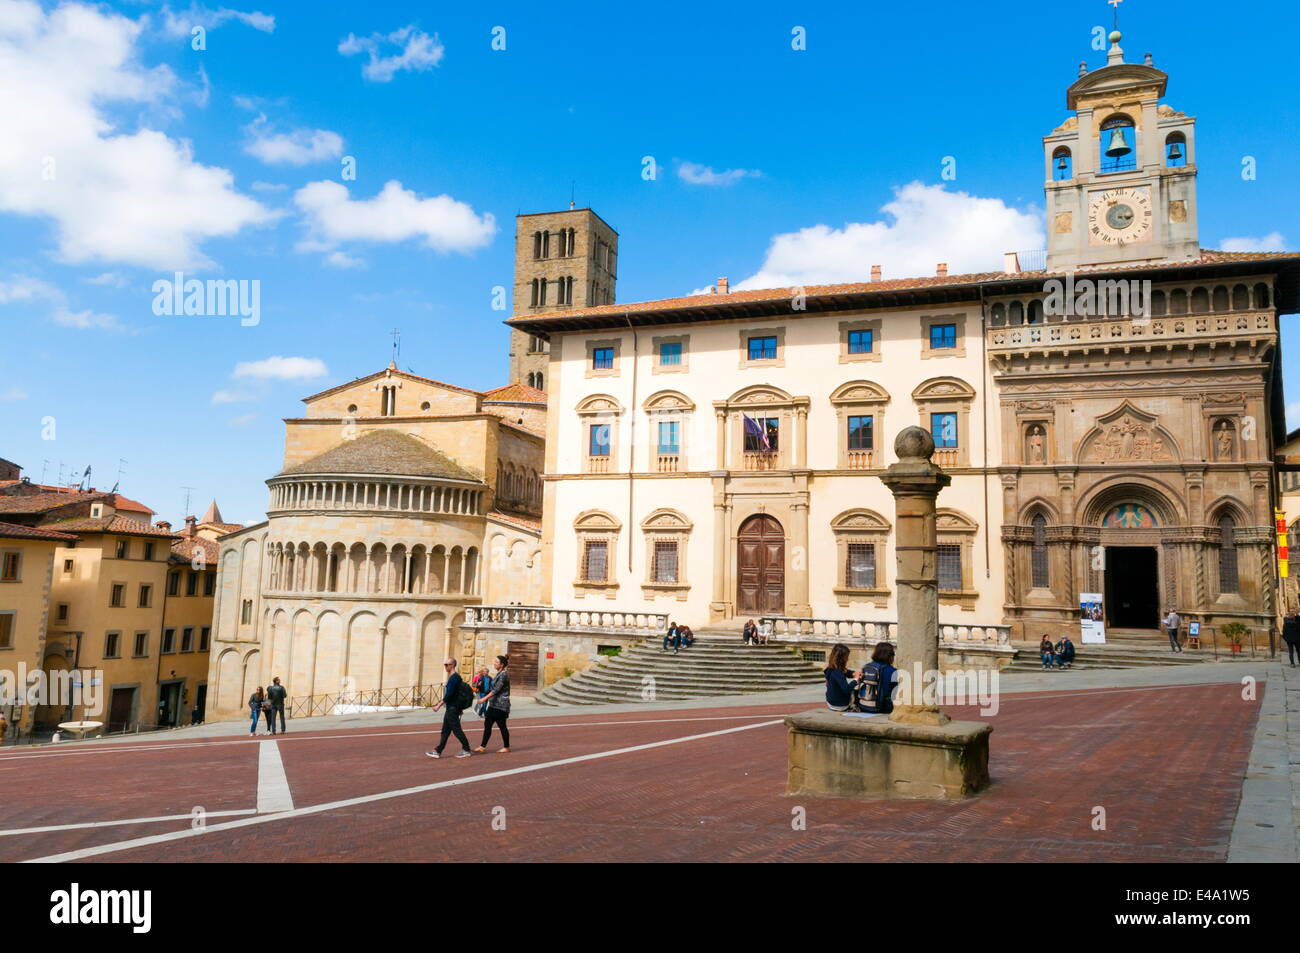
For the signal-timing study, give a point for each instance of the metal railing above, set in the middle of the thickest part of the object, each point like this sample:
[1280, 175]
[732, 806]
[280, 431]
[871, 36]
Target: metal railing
[310, 706]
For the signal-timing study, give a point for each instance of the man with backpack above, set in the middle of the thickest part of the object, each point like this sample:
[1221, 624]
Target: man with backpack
[456, 697]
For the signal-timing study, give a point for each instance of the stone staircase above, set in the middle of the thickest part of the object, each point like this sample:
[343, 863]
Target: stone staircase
[718, 664]
[1109, 656]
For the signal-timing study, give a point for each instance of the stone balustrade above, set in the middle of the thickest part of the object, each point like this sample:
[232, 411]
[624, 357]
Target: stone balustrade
[1101, 331]
[572, 621]
[830, 631]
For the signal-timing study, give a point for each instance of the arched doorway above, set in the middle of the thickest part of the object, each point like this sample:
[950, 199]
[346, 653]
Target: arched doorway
[760, 562]
[1131, 532]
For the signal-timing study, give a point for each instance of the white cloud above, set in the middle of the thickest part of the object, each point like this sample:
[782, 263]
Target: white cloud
[231, 397]
[298, 147]
[697, 174]
[394, 215]
[340, 259]
[417, 51]
[25, 290]
[180, 24]
[109, 278]
[13, 393]
[282, 368]
[926, 225]
[1273, 241]
[113, 195]
[260, 186]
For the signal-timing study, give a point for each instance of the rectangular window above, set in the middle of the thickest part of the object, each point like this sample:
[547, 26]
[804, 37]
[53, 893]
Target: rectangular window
[602, 358]
[146, 596]
[110, 644]
[595, 561]
[860, 573]
[861, 433]
[670, 353]
[117, 596]
[10, 571]
[191, 584]
[174, 584]
[669, 441]
[949, 559]
[665, 568]
[204, 634]
[148, 550]
[762, 348]
[246, 612]
[168, 642]
[67, 565]
[123, 549]
[141, 644]
[943, 336]
[943, 427]
[6, 630]
[598, 440]
[209, 583]
[860, 342]
[187, 639]
[61, 614]
[762, 434]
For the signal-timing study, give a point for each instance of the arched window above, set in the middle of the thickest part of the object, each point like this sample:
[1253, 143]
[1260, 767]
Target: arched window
[1038, 560]
[1118, 144]
[1158, 304]
[1200, 301]
[1175, 150]
[1062, 165]
[1227, 554]
[537, 244]
[998, 314]
[1220, 299]
[1035, 313]
[1016, 312]
[1261, 295]
[1240, 298]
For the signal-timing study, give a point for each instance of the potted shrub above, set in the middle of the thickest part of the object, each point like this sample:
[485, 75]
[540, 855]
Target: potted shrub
[1234, 632]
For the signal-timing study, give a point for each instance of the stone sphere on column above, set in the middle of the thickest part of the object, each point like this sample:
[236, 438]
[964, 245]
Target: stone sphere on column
[914, 444]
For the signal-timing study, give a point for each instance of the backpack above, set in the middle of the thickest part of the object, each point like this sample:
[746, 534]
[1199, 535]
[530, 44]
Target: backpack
[877, 688]
[464, 696]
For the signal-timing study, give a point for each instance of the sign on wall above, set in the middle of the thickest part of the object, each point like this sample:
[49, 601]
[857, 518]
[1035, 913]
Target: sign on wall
[1279, 519]
[1092, 619]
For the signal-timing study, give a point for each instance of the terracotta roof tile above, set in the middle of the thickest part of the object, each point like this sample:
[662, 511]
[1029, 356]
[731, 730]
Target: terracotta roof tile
[14, 531]
[184, 550]
[118, 525]
[387, 452]
[43, 502]
[522, 521]
[516, 393]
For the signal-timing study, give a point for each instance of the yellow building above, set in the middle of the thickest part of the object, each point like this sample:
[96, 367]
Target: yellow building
[26, 571]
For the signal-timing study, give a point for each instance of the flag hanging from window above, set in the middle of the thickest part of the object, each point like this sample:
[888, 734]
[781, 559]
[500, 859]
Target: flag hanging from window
[756, 435]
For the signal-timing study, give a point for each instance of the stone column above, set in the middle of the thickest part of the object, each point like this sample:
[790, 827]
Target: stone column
[915, 482]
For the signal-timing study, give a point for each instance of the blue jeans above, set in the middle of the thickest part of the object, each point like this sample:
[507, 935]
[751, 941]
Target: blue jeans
[252, 729]
[1047, 659]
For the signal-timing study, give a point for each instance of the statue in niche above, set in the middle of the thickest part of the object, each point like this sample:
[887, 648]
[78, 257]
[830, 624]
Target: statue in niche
[1035, 444]
[1223, 441]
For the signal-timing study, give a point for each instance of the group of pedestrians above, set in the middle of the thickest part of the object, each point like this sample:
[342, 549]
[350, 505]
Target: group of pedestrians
[268, 702]
[678, 637]
[869, 691]
[489, 692]
[1060, 655]
[756, 634]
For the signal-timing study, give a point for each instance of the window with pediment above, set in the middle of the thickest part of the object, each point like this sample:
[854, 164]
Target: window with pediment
[861, 536]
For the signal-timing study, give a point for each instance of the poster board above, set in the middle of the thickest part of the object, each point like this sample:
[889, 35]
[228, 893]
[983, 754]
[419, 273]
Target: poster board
[1092, 619]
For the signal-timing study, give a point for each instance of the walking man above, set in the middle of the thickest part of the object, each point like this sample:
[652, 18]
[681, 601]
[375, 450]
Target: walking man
[1290, 634]
[498, 707]
[277, 694]
[454, 703]
[1172, 621]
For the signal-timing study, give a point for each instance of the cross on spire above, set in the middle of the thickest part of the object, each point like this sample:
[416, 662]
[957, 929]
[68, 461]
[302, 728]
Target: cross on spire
[397, 344]
[1115, 4]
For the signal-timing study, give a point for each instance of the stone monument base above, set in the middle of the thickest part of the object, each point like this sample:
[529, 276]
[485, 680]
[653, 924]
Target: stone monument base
[834, 755]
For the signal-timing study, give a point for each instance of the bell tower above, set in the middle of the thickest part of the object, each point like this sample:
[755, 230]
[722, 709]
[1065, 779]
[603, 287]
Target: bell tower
[1121, 171]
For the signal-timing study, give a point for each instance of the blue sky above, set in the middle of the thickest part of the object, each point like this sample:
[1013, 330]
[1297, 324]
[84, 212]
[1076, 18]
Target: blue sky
[131, 155]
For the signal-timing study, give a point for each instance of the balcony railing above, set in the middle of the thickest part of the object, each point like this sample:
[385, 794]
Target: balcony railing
[871, 631]
[667, 463]
[945, 456]
[546, 618]
[861, 459]
[1090, 332]
[762, 460]
[598, 464]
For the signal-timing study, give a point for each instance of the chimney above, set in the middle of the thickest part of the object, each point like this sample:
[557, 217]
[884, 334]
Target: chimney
[1011, 263]
[722, 285]
[190, 523]
[941, 270]
[163, 525]
[875, 272]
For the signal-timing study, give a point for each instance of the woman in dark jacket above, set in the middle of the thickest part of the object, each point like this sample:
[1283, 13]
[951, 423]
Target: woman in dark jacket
[498, 707]
[750, 632]
[1291, 635]
[1047, 652]
[839, 684]
[877, 681]
[257, 703]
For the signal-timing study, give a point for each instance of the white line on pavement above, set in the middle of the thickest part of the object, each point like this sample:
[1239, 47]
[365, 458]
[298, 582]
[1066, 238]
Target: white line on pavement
[129, 820]
[386, 795]
[272, 784]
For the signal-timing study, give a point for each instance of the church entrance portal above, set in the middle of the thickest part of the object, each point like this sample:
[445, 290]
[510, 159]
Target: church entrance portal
[1132, 587]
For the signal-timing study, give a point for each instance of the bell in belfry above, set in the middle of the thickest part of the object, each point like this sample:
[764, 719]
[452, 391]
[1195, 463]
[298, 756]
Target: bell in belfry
[1175, 151]
[1118, 144]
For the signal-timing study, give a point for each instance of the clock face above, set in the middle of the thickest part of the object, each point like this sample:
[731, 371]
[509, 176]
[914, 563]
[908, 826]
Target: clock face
[1119, 216]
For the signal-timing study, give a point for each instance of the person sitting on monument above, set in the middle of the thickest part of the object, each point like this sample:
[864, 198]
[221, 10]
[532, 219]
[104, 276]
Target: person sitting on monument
[1048, 653]
[749, 633]
[671, 638]
[877, 680]
[1064, 652]
[840, 682]
[688, 637]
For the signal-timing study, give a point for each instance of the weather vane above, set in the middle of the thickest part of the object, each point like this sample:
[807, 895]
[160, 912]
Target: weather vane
[1115, 4]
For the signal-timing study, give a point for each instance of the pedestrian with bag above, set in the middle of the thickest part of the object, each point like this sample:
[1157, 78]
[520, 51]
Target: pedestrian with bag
[876, 686]
[276, 694]
[498, 707]
[256, 701]
[456, 697]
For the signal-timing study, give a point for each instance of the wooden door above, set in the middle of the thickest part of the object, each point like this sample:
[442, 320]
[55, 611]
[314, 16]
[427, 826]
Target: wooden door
[523, 667]
[760, 559]
[119, 710]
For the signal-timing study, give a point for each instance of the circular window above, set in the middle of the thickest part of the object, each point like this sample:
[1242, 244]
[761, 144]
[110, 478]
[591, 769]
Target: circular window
[425, 405]
[352, 408]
